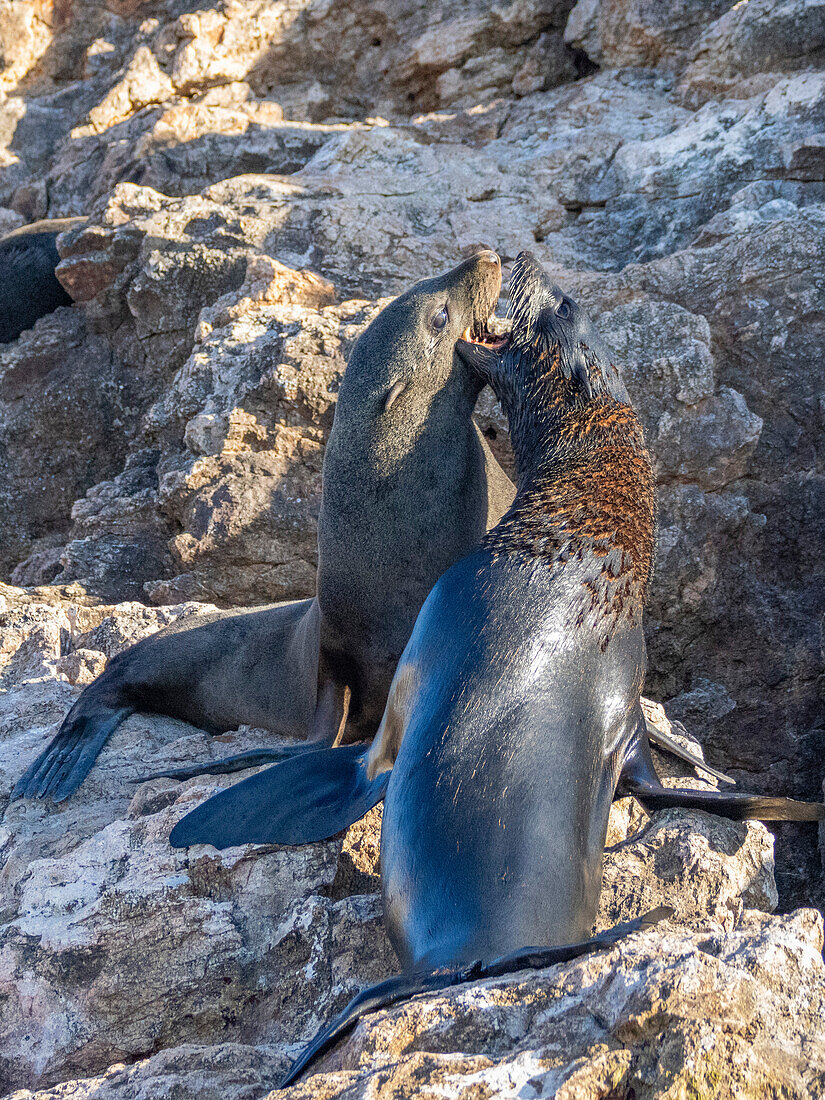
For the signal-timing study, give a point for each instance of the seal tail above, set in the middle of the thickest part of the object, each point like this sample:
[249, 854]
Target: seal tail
[667, 744]
[409, 985]
[66, 761]
[307, 798]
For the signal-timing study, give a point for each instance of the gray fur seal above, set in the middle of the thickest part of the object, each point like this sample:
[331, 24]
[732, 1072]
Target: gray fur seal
[514, 713]
[515, 700]
[30, 288]
[409, 486]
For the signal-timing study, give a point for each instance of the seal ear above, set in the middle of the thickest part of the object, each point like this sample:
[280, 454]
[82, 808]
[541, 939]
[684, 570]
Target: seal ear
[395, 392]
[580, 372]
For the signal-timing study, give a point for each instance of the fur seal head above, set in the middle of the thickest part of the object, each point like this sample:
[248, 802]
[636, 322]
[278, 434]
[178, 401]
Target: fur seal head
[405, 360]
[586, 483]
[552, 338]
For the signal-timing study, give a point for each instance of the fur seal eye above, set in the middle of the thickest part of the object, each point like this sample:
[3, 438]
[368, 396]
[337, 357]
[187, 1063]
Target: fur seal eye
[440, 320]
[564, 309]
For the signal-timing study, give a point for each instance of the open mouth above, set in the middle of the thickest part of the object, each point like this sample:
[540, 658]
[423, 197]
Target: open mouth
[481, 333]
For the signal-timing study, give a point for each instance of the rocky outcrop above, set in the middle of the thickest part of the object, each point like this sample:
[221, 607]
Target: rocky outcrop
[114, 946]
[663, 1015]
[258, 178]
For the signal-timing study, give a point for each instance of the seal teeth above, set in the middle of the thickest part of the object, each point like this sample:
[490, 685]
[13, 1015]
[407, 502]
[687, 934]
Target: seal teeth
[467, 334]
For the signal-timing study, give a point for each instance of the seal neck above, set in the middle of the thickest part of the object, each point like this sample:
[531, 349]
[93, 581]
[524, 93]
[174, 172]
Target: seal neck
[585, 486]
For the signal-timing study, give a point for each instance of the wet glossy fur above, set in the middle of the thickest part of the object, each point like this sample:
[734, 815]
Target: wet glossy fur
[515, 708]
[29, 288]
[517, 696]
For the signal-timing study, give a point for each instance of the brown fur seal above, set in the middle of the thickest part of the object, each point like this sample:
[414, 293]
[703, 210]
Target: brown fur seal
[518, 693]
[29, 287]
[313, 798]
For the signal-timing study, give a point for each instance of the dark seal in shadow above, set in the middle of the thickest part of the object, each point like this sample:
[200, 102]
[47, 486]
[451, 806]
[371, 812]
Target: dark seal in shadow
[29, 288]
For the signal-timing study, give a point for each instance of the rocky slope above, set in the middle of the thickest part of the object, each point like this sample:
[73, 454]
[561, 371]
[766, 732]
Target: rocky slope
[203, 970]
[258, 175]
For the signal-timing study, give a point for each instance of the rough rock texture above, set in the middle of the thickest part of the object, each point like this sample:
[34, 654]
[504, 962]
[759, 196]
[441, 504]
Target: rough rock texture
[664, 1015]
[115, 948]
[258, 177]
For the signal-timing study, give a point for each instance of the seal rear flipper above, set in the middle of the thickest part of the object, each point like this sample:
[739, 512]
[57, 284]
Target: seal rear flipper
[308, 798]
[409, 985]
[252, 758]
[738, 807]
[66, 761]
[537, 958]
[667, 744]
[378, 996]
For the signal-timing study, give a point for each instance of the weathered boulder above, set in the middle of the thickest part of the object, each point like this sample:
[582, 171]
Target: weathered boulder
[750, 43]
[718, 49]
[666, 1014]
[114, 945]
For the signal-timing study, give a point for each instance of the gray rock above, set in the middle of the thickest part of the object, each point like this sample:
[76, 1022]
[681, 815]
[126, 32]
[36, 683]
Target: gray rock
[621, 33]
[112, 943]
[751, 43]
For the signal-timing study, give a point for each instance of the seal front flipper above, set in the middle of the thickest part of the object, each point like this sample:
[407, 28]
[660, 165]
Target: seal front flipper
[308, 798]
[537, 958]
[66, 761]
[390, 992]
[226, 765]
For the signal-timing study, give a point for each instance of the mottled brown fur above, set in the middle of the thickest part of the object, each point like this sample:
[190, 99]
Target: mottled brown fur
[592, 493]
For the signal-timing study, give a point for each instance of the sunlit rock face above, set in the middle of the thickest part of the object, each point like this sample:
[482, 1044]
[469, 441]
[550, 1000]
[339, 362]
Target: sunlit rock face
[259, 178]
